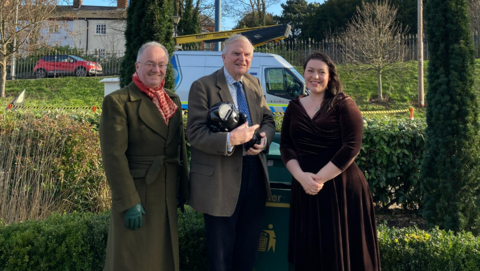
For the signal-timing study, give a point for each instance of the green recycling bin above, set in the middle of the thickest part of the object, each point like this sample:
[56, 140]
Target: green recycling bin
[273, 244]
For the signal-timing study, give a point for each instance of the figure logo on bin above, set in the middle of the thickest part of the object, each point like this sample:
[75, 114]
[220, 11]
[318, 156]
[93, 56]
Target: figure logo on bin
[267, 240]
[224, 117]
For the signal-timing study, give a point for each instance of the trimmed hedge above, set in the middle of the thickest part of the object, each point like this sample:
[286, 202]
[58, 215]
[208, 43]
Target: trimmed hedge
[77, 241]
[390, 157]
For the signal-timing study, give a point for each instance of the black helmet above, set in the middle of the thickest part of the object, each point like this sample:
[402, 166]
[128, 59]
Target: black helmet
[224, 117]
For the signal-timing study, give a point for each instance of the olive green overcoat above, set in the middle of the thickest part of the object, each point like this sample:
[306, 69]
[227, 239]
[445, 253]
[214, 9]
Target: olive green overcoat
[144, 161]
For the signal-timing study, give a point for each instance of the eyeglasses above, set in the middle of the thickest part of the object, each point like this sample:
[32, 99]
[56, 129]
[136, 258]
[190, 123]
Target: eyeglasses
[151, 65]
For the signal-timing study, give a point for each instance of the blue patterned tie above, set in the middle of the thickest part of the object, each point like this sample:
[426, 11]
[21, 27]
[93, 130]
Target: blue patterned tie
[242, 102]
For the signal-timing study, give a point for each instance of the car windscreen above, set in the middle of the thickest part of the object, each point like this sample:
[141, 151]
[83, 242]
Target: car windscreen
[77, 58]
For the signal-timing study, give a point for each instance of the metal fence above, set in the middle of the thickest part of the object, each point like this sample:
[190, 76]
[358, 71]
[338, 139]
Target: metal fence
[25, 64]
[294, 52]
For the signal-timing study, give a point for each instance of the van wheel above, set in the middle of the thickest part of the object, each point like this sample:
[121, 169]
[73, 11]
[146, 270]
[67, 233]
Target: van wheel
[40, 73]
[80, 72]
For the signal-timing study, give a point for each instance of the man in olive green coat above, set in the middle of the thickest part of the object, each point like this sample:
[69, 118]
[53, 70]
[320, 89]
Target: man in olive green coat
[144, 157]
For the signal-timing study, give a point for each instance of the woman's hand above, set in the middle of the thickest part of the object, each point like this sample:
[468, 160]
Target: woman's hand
[310, 183]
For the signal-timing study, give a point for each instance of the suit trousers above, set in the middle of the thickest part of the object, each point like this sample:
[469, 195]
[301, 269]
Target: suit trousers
[232, 242]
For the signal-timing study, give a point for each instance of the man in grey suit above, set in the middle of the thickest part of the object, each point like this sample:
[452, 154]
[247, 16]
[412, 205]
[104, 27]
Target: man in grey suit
[229, 184]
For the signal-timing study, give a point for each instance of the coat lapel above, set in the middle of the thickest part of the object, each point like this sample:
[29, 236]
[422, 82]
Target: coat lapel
[175, 120]
[147, 111]
[224, 91]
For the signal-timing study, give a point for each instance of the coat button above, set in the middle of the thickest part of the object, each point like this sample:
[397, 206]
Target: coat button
[142, 127]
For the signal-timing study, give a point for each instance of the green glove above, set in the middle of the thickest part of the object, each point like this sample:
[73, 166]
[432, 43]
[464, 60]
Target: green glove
[133, 217]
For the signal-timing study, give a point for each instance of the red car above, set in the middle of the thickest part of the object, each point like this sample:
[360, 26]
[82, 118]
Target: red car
[65, 65]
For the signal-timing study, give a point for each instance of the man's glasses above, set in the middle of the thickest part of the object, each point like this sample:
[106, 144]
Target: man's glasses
[151, 65]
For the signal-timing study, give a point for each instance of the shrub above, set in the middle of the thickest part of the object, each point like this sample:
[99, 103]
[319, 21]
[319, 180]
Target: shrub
[49, 161]
[61, 242]
[450, 169]
[414, 249]
[77, 241]
[390, 158]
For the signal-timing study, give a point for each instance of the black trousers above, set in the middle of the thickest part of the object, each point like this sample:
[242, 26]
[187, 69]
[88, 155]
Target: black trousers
[233, 241]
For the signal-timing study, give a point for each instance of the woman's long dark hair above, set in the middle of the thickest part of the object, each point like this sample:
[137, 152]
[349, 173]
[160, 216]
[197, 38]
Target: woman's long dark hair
[334, 85]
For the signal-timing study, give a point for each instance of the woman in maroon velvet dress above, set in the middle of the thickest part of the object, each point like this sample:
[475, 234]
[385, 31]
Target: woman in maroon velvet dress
[332, 220]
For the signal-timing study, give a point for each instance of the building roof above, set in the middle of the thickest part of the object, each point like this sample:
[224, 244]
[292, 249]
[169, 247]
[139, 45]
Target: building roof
[89, 12]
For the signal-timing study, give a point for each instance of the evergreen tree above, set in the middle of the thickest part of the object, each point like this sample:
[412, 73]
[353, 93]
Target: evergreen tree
[147, 20]
[450, 170]
[190, 23]
[251, 20]
[332, 17]
[294, 13]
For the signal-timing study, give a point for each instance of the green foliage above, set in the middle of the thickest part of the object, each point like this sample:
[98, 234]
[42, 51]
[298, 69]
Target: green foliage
[255, 19]
[294, 13]
[390, 158]
[190, 23]
[414, 249]
[61, 242]
[147, 20]
[333, 15]
[78, 241]
[450, 170]
[192, 242]
[77, 175]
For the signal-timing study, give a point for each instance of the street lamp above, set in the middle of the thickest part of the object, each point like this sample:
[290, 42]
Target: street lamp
[176, 19]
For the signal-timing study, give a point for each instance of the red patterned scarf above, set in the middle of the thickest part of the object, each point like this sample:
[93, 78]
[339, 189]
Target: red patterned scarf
[159, 97]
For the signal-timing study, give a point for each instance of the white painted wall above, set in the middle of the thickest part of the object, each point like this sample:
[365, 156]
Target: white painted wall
[74, 33]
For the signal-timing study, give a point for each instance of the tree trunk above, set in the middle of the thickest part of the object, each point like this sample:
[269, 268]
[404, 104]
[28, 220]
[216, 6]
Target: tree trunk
[3, 76]
[379, 77]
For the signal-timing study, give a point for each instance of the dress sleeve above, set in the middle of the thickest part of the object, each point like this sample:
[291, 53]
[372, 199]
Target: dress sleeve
[287, 149]
[351, 125]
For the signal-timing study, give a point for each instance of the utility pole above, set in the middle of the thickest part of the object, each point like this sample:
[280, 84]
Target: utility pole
[218, 22]
[421, 100]
[12, 72]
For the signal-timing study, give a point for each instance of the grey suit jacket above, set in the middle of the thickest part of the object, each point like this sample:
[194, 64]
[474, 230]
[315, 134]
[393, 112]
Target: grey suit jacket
[215, 177]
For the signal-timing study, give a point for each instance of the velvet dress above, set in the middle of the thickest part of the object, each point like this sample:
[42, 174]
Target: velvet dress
[335, 229]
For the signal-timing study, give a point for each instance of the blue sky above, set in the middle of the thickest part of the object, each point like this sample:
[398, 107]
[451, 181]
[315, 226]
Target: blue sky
[227, 23]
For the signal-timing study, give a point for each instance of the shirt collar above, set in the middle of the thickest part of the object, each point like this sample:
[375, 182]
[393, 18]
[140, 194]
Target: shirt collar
[229, 78]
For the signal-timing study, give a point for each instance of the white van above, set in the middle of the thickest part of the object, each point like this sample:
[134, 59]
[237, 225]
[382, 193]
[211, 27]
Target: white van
[280, 81]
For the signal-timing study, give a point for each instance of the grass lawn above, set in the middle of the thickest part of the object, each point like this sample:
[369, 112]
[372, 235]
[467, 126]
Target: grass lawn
[399, 89]
[57, 92]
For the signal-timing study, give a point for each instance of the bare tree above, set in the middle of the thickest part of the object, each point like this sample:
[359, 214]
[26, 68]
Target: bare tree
[239, 9]
[20, 24]
[475, 15]
[373, 40]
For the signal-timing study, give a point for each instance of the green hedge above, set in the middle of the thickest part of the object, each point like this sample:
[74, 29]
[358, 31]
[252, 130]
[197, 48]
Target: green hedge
[390, 157]
[77, 241]
[69, 142]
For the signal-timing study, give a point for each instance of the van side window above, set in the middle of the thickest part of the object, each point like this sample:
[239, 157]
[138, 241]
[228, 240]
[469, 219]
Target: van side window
[282, 83]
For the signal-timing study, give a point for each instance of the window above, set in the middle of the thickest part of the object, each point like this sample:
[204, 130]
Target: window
[102, 52]
[101, 29]
[283, 83]
[53, 28]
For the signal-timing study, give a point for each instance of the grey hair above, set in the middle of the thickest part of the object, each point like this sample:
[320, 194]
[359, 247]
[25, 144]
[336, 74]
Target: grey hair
[233, 39]
[148, 44]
